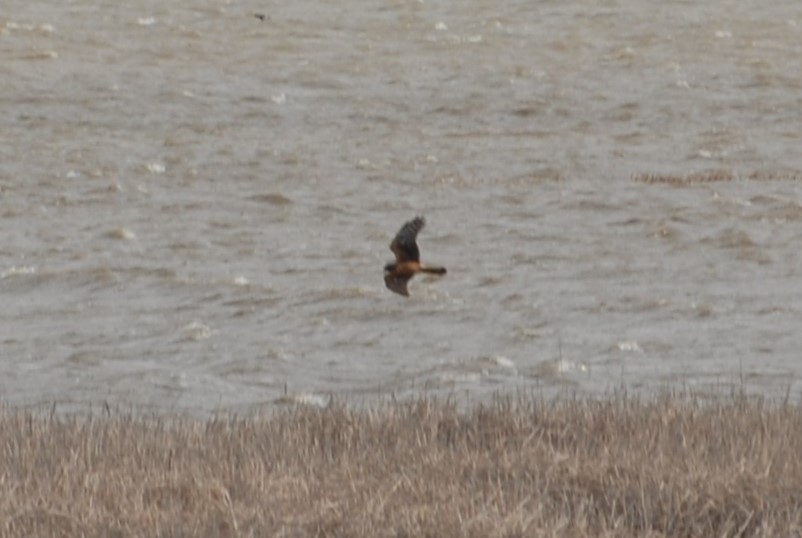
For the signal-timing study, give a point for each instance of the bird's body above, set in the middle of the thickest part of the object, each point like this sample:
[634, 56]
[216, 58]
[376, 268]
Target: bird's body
[407, 258]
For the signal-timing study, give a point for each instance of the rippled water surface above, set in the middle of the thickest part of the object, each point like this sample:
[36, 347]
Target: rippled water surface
[196, 204]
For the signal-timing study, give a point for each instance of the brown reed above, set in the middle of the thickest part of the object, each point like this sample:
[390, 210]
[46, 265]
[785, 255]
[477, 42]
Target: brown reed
[520, 466]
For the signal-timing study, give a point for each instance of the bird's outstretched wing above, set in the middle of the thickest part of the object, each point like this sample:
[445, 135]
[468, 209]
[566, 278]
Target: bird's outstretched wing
[397, 283]
[404, 246]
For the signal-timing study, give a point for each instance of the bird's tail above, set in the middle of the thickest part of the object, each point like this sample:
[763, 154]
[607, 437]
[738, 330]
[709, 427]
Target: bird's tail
[434, 270]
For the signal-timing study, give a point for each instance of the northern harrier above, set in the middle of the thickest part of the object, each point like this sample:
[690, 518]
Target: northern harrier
[407, 258]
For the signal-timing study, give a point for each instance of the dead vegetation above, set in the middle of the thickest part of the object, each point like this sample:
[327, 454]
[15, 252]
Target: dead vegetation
[715, 176]
[620, 466]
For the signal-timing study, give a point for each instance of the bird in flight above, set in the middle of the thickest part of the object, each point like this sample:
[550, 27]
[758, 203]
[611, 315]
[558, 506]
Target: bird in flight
[407, 258]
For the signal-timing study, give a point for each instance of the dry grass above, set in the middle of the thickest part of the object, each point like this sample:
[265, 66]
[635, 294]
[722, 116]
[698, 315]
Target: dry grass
[669, 466]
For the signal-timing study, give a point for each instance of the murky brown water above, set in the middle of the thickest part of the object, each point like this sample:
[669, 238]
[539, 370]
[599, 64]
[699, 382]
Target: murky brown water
[197, 205]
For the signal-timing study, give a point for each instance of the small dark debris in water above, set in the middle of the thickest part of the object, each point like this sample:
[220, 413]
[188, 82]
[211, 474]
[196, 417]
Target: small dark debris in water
[260, 16]
[270, 198]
